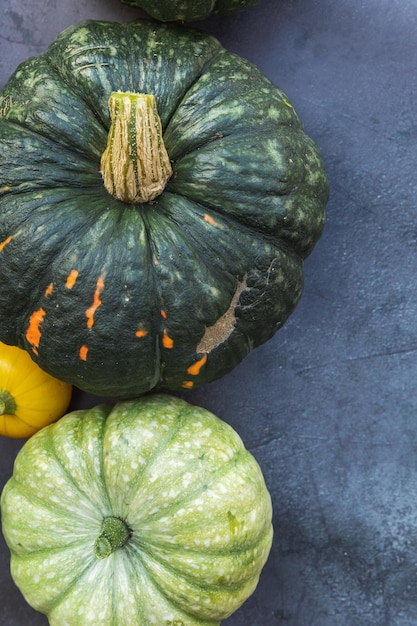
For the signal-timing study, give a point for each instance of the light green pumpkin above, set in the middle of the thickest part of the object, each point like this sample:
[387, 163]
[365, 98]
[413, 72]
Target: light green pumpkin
[158, 197]
[149, 512]
[190, 10]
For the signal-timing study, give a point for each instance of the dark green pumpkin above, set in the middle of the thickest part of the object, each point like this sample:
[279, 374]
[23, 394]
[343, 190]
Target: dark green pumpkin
[190, 10]
[119, 297]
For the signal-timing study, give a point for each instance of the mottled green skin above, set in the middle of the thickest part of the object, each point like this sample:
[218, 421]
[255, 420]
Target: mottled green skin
[190, 10]
[244, 207]
[193, 497]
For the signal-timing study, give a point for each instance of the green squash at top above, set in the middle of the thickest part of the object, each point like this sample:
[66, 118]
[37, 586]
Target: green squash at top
[190, 10]
[158, 196]
[147, 513]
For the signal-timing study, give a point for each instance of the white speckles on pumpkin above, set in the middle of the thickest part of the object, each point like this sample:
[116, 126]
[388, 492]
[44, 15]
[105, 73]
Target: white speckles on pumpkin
[165, 490]
[222, 488]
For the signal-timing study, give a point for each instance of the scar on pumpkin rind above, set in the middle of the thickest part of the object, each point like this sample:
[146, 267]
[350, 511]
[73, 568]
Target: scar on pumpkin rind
[195, 368]
[90, 312]
[167, 341]
[71, 279]
[210, 220]
[141, 332]
[223, 328]
[34, 333]
[4, 243]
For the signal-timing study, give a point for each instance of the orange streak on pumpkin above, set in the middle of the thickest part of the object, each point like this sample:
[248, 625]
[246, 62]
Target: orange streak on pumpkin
[167, 342]
[90, 312]
[49, 289]
[83, 353]
[141, 332]
[4, 243]
[33, 333]
[195, 368]
[187, 384]
[210, 220]
[163, 314]
[71, 279]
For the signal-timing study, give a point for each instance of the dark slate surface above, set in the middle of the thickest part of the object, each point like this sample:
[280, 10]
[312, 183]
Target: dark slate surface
[328, 407]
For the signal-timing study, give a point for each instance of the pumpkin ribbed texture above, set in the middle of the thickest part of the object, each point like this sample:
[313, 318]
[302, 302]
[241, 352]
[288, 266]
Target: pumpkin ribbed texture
[171, 283]
[148, 512]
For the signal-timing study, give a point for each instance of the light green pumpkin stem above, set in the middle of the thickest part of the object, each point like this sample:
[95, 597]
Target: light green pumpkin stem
[115, 533]
[135, 164]
[7, 403]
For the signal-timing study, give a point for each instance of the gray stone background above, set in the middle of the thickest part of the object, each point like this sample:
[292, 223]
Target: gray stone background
[328, 406]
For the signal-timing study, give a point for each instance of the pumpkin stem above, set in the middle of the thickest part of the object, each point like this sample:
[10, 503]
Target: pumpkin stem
[7, 403]
[135, 164]
[115, 533]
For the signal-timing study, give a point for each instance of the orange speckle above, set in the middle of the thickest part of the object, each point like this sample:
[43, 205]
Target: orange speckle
[210, 220]
[187, 384]
[49, 289]
[90, 312]
[4, 243]
[33, 333]
[163, 314]
[167, 342]
[195, 368]
[141, 332]
[83, 353]
[71, 279]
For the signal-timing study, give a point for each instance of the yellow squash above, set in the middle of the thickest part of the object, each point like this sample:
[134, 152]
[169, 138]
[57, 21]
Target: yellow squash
[29, 397]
